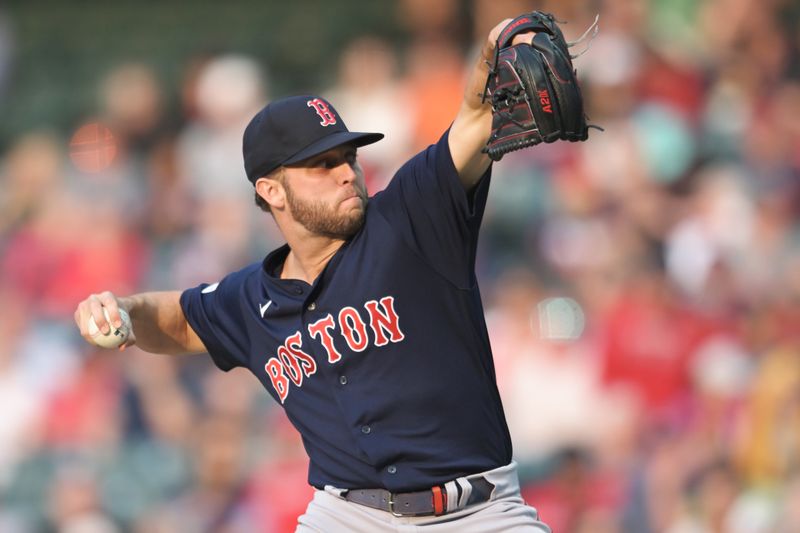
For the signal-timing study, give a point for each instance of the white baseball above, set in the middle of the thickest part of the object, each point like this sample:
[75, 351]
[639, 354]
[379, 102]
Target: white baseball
[117, 336]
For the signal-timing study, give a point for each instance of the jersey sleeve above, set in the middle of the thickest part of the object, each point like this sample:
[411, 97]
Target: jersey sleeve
[216, 313]
[437, 217]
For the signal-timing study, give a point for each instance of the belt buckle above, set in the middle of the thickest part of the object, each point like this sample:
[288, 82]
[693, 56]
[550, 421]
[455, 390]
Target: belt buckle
[391, 506]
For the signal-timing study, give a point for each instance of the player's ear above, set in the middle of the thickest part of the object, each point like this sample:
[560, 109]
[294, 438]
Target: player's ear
[271, 190]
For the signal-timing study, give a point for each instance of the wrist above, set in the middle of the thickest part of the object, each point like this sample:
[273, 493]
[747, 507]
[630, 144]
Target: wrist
[128, 303]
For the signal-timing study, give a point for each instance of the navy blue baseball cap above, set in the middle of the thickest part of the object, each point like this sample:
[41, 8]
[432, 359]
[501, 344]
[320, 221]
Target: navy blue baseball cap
[289, 130]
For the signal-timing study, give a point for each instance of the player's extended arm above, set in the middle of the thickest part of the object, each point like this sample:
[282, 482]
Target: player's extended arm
[473, 124]
[159, 325]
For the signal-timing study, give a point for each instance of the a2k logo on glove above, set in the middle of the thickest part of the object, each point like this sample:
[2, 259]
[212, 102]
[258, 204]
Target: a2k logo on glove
[293, 364]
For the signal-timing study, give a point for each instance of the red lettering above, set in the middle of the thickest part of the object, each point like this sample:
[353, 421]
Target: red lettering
[353, 329]
[323, 111]
[307, 362]
[293, 365]
[385, 321]
[290, 366]
[279, 381]
[544, 99]
[321, 328]
[513, 26]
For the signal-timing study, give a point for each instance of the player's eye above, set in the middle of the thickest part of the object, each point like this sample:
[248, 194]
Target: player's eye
[332, 161]
[326, 162]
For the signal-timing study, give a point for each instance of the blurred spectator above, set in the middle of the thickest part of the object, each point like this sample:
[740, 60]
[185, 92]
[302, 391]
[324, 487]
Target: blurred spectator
[23, 406]
[710, 494]
[369, 94]
[33, 168]
[157, 430]
[132, 105]
[770, 432]
[75, 503]
[81, 236]
[788, 514]
[215, 500]
[434, 83]
[556, 379]
[279, 490]
[229, 90]
[716, 230]
[426, 20]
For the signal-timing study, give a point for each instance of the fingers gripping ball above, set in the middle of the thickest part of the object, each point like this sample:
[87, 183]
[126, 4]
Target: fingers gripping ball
[116, 336]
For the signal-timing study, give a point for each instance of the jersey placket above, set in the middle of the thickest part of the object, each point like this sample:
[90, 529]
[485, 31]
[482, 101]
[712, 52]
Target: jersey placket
[322, 327]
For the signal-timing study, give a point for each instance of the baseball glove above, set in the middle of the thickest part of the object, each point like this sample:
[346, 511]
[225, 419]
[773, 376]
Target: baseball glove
[533, 88]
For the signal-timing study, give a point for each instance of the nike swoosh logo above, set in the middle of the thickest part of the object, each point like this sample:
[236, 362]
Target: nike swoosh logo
[263, 307]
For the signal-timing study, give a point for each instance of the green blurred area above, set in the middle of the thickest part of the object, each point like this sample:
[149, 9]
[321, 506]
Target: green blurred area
[62, 50]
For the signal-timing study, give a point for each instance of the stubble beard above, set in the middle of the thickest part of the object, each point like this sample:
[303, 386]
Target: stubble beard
[321, 219]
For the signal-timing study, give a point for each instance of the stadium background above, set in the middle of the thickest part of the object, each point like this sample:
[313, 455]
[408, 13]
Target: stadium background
[642, 289]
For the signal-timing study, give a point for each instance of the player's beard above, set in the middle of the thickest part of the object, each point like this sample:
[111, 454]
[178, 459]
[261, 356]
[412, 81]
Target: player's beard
[322, 219]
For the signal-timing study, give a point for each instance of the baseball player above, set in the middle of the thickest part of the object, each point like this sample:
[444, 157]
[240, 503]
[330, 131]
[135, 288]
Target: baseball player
[367, 325]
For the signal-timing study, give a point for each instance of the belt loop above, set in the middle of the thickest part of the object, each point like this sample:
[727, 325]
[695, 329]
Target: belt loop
[452, 496]
[466, 491]
[438, 501]
[339, 493]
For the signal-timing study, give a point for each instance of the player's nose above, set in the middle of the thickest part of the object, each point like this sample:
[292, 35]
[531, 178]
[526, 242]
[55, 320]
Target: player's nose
[345, 173]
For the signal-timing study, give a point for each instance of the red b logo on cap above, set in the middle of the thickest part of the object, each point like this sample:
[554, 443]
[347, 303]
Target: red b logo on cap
[323, 111]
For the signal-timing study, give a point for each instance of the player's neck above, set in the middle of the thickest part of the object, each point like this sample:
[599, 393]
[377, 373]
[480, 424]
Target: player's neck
[307, 258]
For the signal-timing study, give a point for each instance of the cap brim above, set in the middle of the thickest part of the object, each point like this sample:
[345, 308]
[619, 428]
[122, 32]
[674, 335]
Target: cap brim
[332, 141]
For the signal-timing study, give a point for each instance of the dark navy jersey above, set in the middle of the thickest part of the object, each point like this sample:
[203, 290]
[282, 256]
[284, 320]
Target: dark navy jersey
[383, 364]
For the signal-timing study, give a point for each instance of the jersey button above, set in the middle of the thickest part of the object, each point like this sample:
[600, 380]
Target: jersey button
[312, 306]
[298, 289]
[343, 380]
[366, 430]
[392, 469]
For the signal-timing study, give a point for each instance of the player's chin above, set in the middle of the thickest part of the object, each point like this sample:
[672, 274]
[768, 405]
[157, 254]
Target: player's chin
[350, 223]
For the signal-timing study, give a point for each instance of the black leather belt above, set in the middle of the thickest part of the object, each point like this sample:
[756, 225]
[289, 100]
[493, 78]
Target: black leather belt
[427, 502]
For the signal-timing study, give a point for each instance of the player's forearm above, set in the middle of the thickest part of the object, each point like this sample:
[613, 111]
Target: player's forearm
[468, 136]
[159, 323]
[473, 124]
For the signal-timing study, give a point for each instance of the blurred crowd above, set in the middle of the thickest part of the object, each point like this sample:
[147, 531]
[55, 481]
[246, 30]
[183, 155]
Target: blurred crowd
[642, 289]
